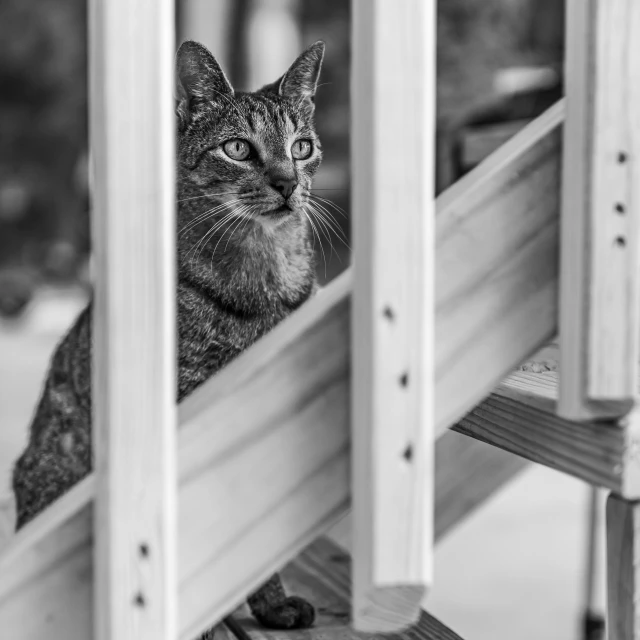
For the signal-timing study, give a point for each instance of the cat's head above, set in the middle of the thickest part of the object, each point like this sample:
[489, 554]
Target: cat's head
[253, 154]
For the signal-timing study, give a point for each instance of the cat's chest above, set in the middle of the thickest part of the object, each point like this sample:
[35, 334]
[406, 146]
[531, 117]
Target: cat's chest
[209, 336]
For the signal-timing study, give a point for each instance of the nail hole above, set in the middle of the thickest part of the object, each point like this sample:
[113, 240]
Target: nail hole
[622, 157]
[139, 600]
[388, 313]
[619, 207]
[408, 453]
[144, 550]
[620, 241]
[404, 379]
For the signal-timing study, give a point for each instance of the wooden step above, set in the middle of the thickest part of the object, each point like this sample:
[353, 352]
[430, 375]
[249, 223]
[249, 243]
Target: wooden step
[322, 574]
[519, 417]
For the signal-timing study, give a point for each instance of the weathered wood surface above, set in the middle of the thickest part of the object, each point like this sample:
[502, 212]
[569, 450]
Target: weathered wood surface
[392, 320]
[134, 319]
[520, 417]
[600, 270]
[322, 573]
[285, 467]
[623, 567]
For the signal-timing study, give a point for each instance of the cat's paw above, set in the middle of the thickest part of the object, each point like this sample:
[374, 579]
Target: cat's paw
[292, 613]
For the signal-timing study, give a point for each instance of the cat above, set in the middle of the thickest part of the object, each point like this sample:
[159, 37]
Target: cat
[245, 163]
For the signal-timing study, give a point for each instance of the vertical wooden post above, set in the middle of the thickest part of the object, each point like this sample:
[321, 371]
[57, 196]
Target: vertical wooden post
[132, 139]
[600, 258]
[623, 566]
[393, 139]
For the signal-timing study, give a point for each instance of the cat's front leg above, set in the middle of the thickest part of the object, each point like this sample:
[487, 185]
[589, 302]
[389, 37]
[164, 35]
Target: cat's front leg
[273, 609]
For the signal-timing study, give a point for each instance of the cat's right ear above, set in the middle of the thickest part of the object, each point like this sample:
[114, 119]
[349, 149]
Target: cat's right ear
[199, 78]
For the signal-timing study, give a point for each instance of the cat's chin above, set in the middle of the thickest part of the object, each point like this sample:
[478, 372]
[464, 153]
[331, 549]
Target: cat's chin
[271, 220]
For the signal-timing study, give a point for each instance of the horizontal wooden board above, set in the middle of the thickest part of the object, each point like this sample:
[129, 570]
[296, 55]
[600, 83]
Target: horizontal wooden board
[520, 417]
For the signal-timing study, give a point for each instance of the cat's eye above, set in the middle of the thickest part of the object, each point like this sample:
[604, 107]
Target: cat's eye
[301, 149]
[237, 149]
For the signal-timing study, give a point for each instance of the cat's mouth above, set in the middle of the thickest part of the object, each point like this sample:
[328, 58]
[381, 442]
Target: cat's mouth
[279, 212]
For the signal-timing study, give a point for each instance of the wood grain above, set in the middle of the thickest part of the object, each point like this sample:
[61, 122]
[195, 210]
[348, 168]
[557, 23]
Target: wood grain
[497, 267]
[322, 574]
[600, 274]
[520, 417]
[623, 581]
[134, 414]
[392, 320]
[467, 473]
[298, 379]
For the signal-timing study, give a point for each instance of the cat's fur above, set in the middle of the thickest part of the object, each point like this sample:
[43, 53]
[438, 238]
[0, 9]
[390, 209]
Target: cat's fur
[233, 287]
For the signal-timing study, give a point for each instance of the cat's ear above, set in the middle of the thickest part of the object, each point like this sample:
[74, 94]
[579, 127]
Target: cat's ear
[199, 77]
[300, 81]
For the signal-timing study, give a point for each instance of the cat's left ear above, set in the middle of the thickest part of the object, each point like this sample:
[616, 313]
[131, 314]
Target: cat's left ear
[300, 81]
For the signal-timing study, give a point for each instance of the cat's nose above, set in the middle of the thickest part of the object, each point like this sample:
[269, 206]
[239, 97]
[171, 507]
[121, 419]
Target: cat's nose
[285, 185]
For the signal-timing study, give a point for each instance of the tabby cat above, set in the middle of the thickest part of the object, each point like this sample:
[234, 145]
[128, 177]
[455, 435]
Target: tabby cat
[245, 261]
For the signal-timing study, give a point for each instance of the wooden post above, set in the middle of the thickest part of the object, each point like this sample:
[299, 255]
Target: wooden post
[393, 142]
[623, 566]
[600, 265]
[132, 138]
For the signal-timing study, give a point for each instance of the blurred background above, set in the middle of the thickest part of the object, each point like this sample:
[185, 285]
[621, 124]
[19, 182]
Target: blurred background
[514, 570]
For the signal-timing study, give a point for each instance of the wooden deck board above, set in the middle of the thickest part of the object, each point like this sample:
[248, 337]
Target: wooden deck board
[520, 417]
[321, 573]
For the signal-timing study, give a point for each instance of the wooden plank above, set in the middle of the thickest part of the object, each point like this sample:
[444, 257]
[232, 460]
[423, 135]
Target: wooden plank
[623, 581]
[134, 412]
[307, 357]
[520, 417]
[467, 473]
[600, 273]
[322, 574]
[392, 320]
[496, 293]
[7, 519]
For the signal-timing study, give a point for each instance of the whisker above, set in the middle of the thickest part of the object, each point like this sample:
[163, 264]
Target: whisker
[331, 222]
[324, 255]
[207, 236]
[203, 216]
[235, 213]
[244, 217]
[329, 203]
[320, 219]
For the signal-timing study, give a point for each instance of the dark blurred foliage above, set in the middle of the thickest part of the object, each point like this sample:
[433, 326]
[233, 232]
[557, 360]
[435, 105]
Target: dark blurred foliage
[43, 133]
[43, 96]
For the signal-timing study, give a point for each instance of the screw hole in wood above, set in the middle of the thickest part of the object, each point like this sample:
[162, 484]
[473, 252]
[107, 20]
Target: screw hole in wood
[139, 600]
[620, 208]
[620, 241]
[408, 453]
[387, 312]
[622, 157]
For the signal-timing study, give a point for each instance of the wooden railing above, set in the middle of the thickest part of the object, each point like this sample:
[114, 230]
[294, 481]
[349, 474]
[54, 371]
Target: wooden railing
[339, 425]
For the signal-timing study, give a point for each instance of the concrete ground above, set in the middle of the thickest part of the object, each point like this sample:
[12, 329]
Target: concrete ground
[513, 571]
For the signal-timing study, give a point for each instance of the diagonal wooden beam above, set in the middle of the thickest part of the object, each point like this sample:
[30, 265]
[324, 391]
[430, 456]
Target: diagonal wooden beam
[264, 446]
